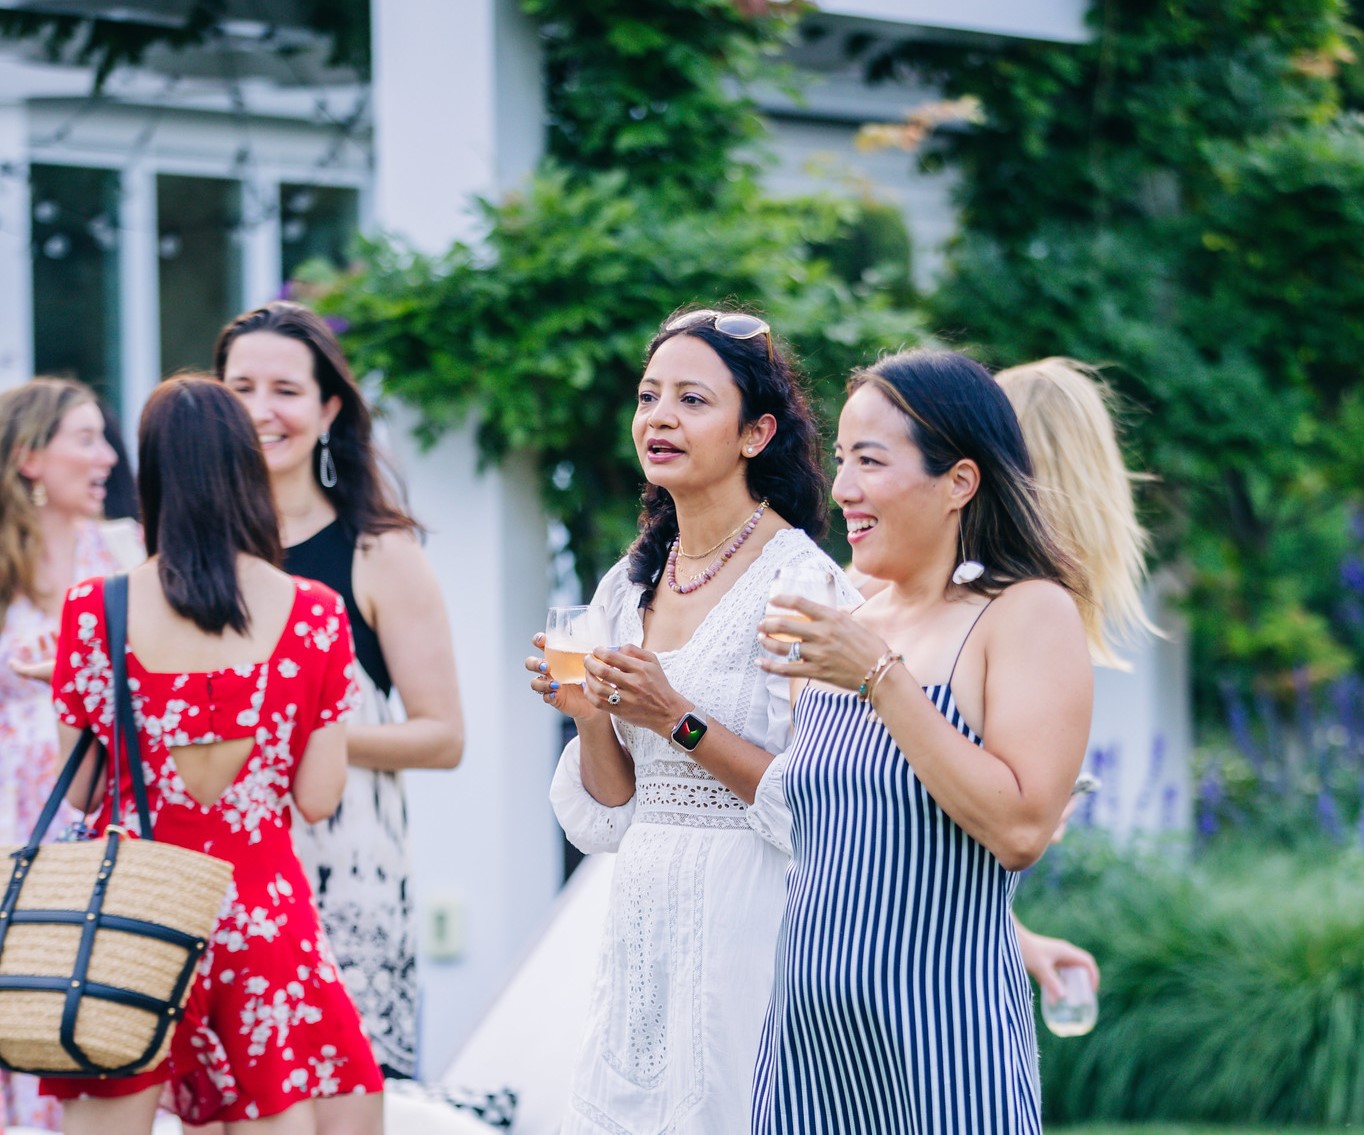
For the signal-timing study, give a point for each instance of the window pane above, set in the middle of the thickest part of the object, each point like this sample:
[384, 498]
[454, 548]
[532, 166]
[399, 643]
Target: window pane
[316, 221]
[75, 275]
[197, 220]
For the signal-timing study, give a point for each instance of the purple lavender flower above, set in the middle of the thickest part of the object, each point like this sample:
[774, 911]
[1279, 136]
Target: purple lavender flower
[1352, 574]
[1238, 720]
[1168, 801]
[1210, 795]
[1328, 815]
[1357, 524]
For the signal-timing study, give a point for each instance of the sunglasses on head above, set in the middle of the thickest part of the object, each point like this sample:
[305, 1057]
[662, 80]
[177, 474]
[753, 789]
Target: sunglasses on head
[735, 324]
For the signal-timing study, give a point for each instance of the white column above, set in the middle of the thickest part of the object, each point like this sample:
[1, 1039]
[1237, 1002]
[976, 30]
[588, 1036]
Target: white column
[260, 241]
[16, 267]
[457, 113]
[139, 309]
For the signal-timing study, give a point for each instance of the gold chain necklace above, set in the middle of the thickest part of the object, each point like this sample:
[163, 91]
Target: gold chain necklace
[684, 554]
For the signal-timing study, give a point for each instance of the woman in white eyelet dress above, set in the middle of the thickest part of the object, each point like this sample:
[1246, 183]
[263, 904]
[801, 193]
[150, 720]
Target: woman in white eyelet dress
[686, 960]
[685, 970]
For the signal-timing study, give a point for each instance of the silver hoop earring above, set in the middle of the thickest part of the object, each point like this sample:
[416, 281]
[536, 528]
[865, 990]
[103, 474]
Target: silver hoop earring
[326, 467]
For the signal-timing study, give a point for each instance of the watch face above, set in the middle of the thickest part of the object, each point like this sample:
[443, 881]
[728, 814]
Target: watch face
[689, 731]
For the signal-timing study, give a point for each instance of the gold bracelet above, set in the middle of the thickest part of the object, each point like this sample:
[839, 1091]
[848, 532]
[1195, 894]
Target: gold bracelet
[871, 693]
[884, 663]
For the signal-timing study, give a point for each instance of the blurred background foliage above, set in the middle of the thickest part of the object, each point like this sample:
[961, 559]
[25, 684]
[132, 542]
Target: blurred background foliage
[1183, 198]
[648, 199]
[1180, 199]
[1233, 985]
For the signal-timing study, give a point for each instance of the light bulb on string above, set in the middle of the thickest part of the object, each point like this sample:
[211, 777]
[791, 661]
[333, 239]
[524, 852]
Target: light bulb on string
[57, 246]
[103, 232]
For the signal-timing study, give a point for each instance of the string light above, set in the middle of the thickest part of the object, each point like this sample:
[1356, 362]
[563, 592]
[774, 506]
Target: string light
[103, 226]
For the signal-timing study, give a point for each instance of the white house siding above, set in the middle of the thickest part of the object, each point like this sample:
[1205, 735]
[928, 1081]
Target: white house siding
[457, 113]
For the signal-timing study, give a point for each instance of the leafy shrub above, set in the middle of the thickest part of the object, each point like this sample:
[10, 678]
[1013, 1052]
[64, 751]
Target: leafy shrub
[1233, 987]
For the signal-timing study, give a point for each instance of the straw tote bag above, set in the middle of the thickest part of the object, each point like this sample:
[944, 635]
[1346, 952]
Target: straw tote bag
[99, 939]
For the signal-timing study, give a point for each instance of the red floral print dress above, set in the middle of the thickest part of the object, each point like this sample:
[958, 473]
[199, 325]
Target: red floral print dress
[269, 1023]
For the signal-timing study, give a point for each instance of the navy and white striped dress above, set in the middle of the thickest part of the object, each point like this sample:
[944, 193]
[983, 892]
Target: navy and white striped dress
[900, 1004]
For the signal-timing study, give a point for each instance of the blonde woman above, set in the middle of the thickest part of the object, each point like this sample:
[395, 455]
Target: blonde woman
[54, 463]
[1085, 491]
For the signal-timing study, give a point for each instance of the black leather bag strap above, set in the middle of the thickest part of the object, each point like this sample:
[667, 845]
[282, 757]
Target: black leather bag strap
[125, 739]
[59, 791]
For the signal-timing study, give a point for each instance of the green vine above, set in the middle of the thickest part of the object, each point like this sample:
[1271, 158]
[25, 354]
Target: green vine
[539, 328]
[1183, 197]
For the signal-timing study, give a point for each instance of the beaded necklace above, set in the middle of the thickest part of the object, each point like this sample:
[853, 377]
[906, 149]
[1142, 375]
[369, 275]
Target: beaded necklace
[706, 576]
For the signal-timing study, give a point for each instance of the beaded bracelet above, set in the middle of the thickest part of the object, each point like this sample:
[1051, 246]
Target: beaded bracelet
[876, 673]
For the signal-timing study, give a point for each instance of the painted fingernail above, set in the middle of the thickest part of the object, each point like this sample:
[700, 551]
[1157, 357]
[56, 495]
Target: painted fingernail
[543, 667]
[554, 685]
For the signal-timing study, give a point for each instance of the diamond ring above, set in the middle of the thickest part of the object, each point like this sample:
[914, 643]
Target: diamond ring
[613, 698]
[793, 655]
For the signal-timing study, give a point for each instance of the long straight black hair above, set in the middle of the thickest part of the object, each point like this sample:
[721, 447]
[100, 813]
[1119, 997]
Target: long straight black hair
[954, 409]
[787, 472]
[206, 498]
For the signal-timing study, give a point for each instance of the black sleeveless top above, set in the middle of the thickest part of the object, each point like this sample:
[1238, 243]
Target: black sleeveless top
[327, 556]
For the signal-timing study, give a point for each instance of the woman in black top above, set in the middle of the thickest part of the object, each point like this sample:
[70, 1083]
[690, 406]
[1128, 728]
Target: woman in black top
[340, 525]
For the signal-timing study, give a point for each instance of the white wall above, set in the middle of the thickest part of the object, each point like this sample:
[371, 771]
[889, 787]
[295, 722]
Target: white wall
[457, 113]
[16, 266]
[1059, 20]
[1142, 734]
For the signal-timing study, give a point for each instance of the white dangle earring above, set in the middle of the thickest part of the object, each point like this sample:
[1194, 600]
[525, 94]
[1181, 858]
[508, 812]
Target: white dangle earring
[968, 571]
[326, 467]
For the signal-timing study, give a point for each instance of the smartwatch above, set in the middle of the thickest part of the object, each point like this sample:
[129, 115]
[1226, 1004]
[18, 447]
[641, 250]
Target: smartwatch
[687, 733]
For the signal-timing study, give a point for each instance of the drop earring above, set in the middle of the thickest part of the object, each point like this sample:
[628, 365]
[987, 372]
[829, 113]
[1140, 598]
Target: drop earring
[968, 571]
[38, 494]
[326, 467]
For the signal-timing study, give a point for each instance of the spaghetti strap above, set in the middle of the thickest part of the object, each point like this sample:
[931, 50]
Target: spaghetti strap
[964, 639]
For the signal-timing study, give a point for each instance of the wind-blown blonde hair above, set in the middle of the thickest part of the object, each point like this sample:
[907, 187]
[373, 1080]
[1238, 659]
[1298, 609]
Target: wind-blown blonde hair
[30, 416]
[1085, 492]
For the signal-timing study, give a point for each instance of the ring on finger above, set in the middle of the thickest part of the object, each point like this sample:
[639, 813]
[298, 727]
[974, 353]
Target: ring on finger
[793, 655]
[613, 698]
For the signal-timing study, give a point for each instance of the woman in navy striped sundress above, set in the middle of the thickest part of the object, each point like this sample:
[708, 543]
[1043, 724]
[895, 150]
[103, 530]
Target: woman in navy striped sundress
[938, 731]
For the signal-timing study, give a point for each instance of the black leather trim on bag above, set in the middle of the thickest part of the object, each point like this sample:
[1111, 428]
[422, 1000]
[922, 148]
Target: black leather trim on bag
[77, 987]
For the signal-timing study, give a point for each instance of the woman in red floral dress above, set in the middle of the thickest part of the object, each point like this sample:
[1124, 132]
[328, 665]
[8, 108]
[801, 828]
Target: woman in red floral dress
[240, 676]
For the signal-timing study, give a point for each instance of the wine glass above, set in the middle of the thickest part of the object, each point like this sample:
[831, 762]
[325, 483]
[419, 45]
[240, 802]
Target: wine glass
[1076, 1011]
[816, 584]
[571, 634]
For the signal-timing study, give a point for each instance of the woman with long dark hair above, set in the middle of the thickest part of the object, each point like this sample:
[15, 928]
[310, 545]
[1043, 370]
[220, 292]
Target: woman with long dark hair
[939, 729]
[342, 524]
[241, 677]
[676, 725]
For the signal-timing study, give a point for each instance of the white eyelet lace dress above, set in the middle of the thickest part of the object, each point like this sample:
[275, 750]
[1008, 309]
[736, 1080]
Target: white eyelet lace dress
[686, 961]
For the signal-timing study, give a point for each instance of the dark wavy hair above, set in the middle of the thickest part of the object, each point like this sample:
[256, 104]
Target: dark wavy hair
[363, 497]
[206, 498]
[787, 472]
[954, 410]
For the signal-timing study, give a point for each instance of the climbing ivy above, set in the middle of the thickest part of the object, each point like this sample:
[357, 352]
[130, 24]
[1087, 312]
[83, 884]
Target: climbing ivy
[1182, 197]
[648, 199]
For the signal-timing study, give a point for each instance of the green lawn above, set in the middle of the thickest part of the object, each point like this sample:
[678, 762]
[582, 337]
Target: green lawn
[1181, 1129]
